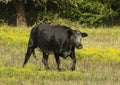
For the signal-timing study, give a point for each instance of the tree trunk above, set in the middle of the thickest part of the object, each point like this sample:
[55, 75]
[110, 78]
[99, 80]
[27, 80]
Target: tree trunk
[20, 14]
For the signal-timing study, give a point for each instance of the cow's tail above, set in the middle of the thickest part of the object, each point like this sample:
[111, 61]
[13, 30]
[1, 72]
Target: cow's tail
[32, 43]
[31, 47]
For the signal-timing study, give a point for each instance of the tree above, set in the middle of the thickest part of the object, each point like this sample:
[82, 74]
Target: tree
[20, 11]
[87, 12]
[19, 6]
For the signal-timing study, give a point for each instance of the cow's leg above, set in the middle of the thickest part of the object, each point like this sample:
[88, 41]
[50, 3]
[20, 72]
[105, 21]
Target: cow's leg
[34, 55]
[74, 60]
[27, 55]
[57, 58]
[45, 61]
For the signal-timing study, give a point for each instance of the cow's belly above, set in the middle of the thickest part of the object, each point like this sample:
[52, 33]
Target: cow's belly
[65, 54]
[49, 50]
[46, 50]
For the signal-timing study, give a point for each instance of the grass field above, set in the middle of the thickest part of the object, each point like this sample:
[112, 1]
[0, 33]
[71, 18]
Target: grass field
[98, 63]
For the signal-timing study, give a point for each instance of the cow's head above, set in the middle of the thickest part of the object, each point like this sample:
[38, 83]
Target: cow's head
[77, 37]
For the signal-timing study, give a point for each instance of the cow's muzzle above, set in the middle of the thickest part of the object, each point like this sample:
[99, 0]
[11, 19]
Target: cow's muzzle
[79, 46]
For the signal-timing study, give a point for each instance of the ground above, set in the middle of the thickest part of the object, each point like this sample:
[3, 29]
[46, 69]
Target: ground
[98, 63]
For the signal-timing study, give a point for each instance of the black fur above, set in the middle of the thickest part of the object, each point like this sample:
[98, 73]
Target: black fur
[59, 40]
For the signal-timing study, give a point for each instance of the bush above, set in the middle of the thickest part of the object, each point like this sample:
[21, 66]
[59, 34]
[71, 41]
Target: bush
[90, 13]
[86, 12]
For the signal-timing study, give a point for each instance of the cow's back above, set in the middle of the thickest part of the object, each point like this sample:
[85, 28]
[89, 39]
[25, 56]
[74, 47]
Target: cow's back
[51, 38]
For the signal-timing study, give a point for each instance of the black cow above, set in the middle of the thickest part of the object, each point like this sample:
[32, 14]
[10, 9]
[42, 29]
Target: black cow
[59, 40]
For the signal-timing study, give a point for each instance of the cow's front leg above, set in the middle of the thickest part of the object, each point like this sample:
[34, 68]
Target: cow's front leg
[45, 61]
[74, 60]
[57, 58]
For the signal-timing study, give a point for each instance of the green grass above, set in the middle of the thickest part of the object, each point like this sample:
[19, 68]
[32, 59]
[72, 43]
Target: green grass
[98, 63]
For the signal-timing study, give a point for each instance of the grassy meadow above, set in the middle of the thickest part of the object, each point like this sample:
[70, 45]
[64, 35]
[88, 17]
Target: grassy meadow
[98, 63]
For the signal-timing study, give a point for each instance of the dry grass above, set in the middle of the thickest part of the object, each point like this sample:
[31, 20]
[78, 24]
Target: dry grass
[98, 63]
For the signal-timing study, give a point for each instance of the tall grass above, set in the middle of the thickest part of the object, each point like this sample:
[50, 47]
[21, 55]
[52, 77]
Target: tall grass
[98, 63]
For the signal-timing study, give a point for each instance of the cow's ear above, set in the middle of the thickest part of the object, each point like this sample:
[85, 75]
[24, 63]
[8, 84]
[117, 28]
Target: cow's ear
[84, 34]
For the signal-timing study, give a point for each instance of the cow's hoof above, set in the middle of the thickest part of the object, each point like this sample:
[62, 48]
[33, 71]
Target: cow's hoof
[72, 68]
[59, 69]
[23, 65]
[39, 69]
[47, 68]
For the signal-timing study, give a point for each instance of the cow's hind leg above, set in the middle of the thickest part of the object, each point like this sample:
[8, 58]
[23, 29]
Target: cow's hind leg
[45, 61]
[27, 55]
[34, 55]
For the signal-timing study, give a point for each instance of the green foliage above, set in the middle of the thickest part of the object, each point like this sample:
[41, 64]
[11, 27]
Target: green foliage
[86, 12]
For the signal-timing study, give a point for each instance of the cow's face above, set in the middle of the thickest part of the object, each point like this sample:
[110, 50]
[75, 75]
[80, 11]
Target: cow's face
[77, 37]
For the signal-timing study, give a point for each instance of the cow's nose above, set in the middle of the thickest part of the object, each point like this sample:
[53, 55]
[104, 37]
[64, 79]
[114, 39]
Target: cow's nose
[80, 47]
